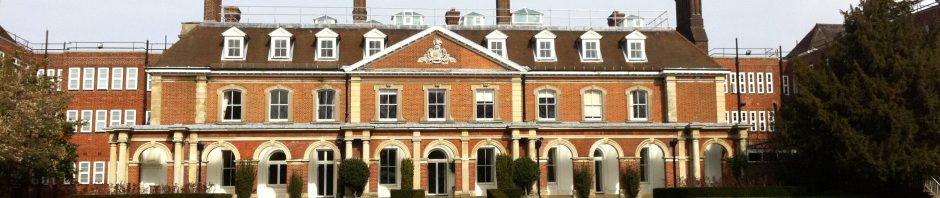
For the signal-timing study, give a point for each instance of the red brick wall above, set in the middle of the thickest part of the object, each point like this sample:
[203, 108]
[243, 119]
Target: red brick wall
[695, 101]
[413, 97]
[255, 102]
[178, 105]
[466, 58]
[615, 102]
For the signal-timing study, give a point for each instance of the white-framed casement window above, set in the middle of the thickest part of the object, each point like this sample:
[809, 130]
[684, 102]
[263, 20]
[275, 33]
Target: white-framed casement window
[388, 166]
[58, 79]
[742, 83]
[146, 117]
[88, 78]
[545, 46]
[279, 105]
[786, 84]
[635, 47]
[232, 111]
[130, 117]
[101, 120]
[325, 167]
[234, 44]
[84, 172]
[40, 72]
[103, 78]
[743, 117]
[734, 117]
[117, 78]
[486, 160]
[281, 48]
[277, 168]
[727, 117]
[149, 81]
[485, 104]
[762, 122]
[639, 105]
[733, 83]
[771, 120]
[770, 82]
[760, 82]
[375, 42]
[496, 42]
[437, 105]
[752, 120]
[99, 172]
[86, 121]
[591, 47]
[547, 105]
[750, 83]
[115, 118]
[75, 75]
[593, 101]
[326, 45]
[131, 79]
[72, 116]
[388, 105]
[326, 105]
[726, 83]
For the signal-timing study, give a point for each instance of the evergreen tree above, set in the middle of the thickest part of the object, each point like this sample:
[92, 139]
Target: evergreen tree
[867, 119]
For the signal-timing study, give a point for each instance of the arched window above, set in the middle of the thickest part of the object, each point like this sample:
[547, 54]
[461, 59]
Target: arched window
[221, 168]
[437, 172]
[326, 105]
[325, 173]
[551, 165]
[547, 104]
[652, 166]
[232, 99]
[639, 105]
[388, 166]
[277, 168]
[279, 105]
[593, 105]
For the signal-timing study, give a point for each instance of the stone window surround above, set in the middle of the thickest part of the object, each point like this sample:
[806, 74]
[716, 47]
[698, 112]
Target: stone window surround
[267, 109]
[484, 86]
[220, 92]
[649, 93]
[399, 90]
[336, 104]
[603, 103]
[536, 102]
[447, 103]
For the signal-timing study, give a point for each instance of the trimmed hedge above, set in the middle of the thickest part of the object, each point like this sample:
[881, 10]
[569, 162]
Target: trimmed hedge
[158, 196]
[419, 193]
[775, 191]
[505, 193]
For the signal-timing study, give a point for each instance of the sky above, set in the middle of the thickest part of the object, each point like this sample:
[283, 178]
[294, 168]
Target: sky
[757, 23]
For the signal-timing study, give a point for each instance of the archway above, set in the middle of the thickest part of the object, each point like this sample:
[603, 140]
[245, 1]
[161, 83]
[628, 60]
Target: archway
[714, 154]
[652, 166]
[220, 170]
[152, 169]
[606, 170]
[440, 177]
[560, 169]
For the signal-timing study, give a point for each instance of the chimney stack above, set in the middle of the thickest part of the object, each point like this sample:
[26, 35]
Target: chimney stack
[615, 19]
[502, 12]
[689, 22]
[211, 10]
[232, 14]
[359, 11]
[452, 17]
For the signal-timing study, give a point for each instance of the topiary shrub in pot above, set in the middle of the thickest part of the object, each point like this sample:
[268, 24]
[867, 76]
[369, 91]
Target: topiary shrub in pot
[524, 173]
[353, 173]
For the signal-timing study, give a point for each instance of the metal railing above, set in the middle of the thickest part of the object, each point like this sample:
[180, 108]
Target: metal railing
[88, 46]
[745, 52]
[932, 186]
[22, 42]
[436, 16]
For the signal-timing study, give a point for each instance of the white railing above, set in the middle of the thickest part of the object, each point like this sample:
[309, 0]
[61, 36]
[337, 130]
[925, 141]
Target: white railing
[436, 16]
[932, 186]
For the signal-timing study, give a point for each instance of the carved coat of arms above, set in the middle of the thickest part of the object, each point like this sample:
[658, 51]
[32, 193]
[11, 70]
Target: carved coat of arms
[437, 55]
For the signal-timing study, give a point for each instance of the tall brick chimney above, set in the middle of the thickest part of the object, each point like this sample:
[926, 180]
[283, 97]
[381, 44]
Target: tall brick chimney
[689, 22]
[359, 11]
[211, 10]
[452, 17]
[502, 12]
[232, 14]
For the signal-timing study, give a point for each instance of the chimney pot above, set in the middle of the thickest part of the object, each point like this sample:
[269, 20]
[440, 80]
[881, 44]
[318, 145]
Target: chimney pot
[615, 19]
[232, 14]
[359, 11]
[211, 10]
[689, 22]
[502, 12]
[452, 17]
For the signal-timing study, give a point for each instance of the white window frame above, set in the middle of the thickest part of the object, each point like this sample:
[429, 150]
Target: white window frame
[727, 117]
[117, 78]
[786, 84]
[84, 172]
[101, 120]
[772, 121]
[742, 83]
[88, 78]
[389, 117]
[750, 83]
[585, 106]
[769, 79]
[443, 104]
[115, 117]
[762, 121]
[478, 97]
[146, 117]
[130, 117]
[86, 121]
[550, 49]
[272, 54]
[373, 35]
[646, 105]
[733, 82]
[734, 117]
[743, 117]
[546, 93]
[131, 79]
[491, 165]
[760, 82]
[58, 80]
[394, 168]
[333, 50]
[726, 83]
[98, 175]
[752, 115]
[596, 50]
[72, 116]
[75, 78]
[322, 103]
[497, 37]
[40, 72]
[149, 82]
[635, 38]
[103, 78]
[272, 105]
[240, 49]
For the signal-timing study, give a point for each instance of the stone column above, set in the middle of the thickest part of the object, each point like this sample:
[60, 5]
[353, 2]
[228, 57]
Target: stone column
[515, 143]
[348, 151]
[673, 115]
[532, 149]
[112, 159]
[415, 156]
[355, 90]
[683, 156]
[366, 149]
[696, 159]
[122, 157]
[465, 162]
[177, 157]
[194, 161]
[156, 99]
[200, 99]
[517, 99]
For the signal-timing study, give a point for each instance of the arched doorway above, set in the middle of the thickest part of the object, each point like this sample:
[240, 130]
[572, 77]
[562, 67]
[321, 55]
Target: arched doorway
[322, 173]
[272, 174]
[606, 170]
[220, 170]
[152, 169]
[714, 154]
[439, 174]
[560, 177]
[652, 167]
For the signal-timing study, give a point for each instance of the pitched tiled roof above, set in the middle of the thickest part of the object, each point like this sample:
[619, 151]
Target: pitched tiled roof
[4, 34]
[202, 47]
[817, 38]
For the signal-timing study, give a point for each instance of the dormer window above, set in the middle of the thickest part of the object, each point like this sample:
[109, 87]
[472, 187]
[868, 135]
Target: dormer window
[472, 18]
[375, 42]
[635, 47]
[281, 48]
[496, 42]
[545, 46]
[633, 21]
[234, 44]
[326, 45]
[526, 16]
[324, 20]
[408, 18]
[590, 47]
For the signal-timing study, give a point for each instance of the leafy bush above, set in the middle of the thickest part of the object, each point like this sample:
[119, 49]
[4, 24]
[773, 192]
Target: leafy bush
[525, 173]
[504, 172]
[407, 174]
[776, 191]
[738, 166]
[631, 182]
[244, 178]
[295, 188]
[157, 196]
[582, 182]
[505, 193]
[407, 193]
[354, 174]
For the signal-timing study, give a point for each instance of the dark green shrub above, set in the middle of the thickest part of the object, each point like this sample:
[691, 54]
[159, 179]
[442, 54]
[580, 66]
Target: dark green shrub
[524, 173]
[407, 174]
[631, 182]
[157, 196]
[295, 187]
[353, 173]
[504, 172]
[774, 191]
[407, 193]
[505, 193]
[244, 178]
[582, 182]
[739, 166]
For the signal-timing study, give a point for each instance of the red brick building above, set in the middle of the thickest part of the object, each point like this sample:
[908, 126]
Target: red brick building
[760, 85]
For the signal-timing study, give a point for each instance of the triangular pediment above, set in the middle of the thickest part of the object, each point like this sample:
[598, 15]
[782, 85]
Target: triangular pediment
[636, 35]
[436, 49]
[233, 32]
[280, 32]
